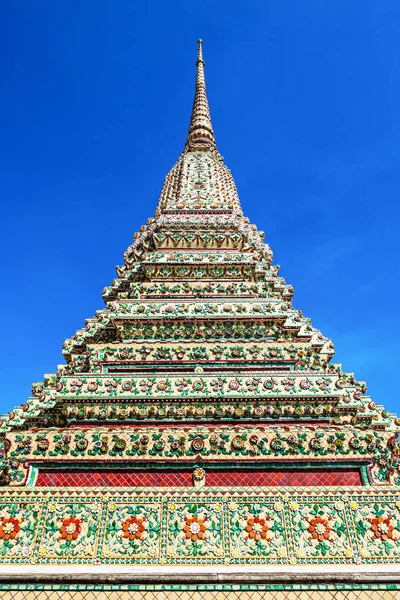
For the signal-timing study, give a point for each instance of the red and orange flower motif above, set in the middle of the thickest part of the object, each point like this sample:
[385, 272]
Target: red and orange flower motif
[70, 529]
[319, 529]
[256, 528]
[195, 528]
[9, 528]
[383, 528]
[133, 528]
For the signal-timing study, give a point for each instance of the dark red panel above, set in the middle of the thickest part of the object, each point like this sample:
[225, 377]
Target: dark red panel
[214, 478]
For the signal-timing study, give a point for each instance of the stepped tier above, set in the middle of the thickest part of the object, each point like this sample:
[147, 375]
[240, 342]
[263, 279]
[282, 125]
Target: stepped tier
[214, 444]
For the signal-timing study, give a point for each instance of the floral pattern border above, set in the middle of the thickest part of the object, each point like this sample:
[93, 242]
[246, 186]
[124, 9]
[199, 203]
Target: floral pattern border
[192, 527]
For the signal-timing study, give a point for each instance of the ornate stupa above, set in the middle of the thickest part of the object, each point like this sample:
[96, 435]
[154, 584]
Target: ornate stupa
[198, 439]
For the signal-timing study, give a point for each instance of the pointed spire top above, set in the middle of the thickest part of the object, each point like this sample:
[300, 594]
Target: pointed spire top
[201, 134]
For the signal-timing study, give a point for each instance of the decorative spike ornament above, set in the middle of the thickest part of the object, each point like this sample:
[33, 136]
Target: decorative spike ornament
[198, 434]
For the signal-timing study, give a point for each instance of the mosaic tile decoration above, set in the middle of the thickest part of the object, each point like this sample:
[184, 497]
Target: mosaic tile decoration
[214, 478]
[207, 594]
[262, 445]
[200, 527]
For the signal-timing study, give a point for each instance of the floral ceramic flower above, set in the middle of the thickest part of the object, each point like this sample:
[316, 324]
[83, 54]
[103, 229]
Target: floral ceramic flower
[256, 528]
[110, 384]
[216, 384]
[70, 529]
[120, 444]
[305, 384]
[133, 528]
[214, 439]
[144, 385]
[198, 385]
[315, 443]
[236, 352]
[43, 445]
[323, 384]
[199, 474]
[319, 528]
[234, 384]
[9, 528]
[181, 384]
[355, 442]
[382, 528]
[75, 384]
[276, 444]
[268, 384]
[237, 442]
[195, 528]
[198, 444]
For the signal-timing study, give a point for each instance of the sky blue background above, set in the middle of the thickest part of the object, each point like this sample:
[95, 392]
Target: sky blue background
[95, 98]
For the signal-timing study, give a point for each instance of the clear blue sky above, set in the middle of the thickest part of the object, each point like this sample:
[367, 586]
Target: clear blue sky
[95, 101]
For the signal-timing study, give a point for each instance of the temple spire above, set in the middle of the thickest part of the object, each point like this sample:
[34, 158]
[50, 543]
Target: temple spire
[200, 134]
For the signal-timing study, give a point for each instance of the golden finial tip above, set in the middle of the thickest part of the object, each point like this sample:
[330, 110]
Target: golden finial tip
[199, 41]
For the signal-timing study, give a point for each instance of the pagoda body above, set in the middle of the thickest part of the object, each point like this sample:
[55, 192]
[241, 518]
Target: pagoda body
[199, 436]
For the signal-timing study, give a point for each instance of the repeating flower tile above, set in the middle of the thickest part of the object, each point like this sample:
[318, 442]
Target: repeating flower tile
[70, 530]
[377, 526]
[194, 530]
[320, 531]
[257, 531]
[18, 529]
[132, 531]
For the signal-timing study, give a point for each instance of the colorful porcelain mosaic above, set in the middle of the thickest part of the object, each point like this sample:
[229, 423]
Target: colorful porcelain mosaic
[249, 445]
[181, 527]
[198, 419]
[201, 592]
